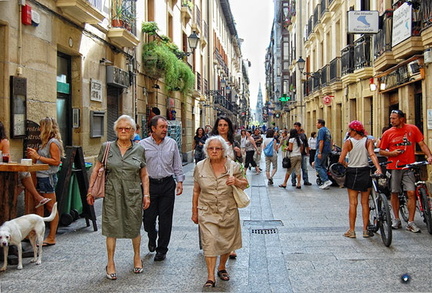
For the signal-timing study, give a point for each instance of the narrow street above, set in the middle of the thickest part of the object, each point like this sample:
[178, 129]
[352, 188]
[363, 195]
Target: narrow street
[292, 242]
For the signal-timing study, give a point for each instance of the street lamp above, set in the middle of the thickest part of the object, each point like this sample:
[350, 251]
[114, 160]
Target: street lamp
[193, 43]
[301, 64]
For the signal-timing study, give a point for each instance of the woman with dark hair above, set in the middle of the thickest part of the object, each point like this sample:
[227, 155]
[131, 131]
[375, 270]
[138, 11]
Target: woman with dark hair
[294, 150]
[25, 177]
[357, 179]
[197, 144]
[312, 147]
[224, 127]
[250, 148]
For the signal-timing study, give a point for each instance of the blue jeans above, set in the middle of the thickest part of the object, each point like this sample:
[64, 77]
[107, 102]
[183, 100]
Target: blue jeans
[321, 166]
[304, 168]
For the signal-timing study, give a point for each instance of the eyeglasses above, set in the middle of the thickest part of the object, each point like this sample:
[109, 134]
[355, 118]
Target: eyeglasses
[126, 129]
[214, 149]
[399, 112]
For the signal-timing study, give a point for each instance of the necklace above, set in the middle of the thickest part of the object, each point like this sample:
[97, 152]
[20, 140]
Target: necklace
[123, 146]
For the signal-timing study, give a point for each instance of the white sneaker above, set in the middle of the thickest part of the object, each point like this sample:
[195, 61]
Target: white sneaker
[412, 227]
[326, 184]
[396, 224]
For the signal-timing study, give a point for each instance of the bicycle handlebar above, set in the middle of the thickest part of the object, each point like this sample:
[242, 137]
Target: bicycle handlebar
[412, 165]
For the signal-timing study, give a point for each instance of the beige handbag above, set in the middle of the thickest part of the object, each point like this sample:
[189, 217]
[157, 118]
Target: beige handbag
[98, 187]
[241, 198]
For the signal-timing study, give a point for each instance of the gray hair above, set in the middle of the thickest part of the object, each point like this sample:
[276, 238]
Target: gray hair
[218, 138]
[128, 119]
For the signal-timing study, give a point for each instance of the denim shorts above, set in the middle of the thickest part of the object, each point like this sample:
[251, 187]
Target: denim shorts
[46, 184]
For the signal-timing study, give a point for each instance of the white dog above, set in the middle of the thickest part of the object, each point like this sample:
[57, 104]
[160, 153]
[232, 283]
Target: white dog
[14, 231]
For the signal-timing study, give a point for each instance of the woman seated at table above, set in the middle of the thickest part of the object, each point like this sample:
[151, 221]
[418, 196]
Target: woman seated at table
[25, 177]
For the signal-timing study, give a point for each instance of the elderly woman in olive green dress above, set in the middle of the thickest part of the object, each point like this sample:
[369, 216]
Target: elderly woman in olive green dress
[214, 207]
[124, 201]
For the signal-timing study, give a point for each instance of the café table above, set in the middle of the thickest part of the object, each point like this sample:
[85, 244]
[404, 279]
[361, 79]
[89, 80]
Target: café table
[9, 179]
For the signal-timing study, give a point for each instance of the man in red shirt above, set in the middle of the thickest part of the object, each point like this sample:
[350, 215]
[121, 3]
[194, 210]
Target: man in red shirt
[398, 144]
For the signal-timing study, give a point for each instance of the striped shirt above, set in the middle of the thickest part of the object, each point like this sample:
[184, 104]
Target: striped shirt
[163, 159]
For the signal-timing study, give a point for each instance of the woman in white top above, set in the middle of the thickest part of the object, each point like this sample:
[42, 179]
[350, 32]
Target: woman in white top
[270, 160]
[295, 146]
[357, 179]
[312, 147]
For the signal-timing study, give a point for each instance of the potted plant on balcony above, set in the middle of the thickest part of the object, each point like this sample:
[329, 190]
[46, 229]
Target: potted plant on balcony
[187, 3]
[117, 16]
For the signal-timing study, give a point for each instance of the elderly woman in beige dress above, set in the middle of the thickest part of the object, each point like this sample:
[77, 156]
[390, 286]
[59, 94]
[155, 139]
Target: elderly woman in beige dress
[214, 207]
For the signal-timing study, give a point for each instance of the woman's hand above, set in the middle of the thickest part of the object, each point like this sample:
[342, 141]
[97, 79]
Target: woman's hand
[194, 217]
[32, 153]
[90, 199]
[231, 180]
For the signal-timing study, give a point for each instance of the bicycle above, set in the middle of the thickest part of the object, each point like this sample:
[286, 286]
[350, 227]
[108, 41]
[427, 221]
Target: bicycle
[423, 203]
[379, 214]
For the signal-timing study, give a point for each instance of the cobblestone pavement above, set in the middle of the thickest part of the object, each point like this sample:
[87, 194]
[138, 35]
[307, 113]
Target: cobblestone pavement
[292, 242]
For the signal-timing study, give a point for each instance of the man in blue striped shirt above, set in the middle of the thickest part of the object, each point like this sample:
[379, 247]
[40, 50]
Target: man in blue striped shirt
[164, 166]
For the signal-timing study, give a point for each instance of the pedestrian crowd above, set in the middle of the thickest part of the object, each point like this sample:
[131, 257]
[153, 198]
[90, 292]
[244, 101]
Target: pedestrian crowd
[143, 177]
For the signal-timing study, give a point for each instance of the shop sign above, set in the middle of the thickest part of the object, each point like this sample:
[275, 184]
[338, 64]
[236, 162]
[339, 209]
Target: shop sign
[407, 72]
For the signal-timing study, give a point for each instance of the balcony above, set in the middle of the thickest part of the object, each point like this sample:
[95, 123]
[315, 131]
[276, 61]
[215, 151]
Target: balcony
[335, 74]
[186, 13]
[122, 37]
[409, 47]
[362, 58]
[81, 11]
[347, 60]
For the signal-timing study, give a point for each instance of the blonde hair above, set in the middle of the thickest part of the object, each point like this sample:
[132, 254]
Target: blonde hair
[50, 129]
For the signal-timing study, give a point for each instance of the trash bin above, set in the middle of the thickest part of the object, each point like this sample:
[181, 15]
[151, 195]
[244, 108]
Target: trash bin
[76, 203]
[72, 206]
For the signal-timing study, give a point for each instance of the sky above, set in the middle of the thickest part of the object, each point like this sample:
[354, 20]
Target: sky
[253, 20]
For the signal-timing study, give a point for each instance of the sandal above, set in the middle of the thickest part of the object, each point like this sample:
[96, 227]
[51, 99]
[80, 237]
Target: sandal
[350, 234]
[42, 202]
[282, 186]
[112, 276]
[139, 270]
[223, 275]
[367, 234]
[209, 284]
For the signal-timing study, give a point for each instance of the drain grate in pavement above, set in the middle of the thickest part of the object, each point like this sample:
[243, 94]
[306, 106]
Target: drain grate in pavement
[264, 231]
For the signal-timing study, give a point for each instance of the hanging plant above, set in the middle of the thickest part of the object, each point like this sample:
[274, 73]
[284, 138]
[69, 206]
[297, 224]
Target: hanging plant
[162, 58]
[150, 28]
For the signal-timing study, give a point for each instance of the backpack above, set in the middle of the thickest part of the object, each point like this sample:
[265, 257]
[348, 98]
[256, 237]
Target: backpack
[268, 151]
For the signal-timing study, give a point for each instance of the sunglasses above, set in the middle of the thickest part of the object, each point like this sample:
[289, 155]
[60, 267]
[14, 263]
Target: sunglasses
[399, 112]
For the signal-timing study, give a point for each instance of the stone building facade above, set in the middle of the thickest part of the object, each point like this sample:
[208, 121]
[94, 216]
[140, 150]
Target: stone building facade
[81, 63]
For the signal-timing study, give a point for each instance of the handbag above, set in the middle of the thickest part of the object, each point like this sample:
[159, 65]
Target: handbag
[241, 198]
[98, 187]
[286, 162]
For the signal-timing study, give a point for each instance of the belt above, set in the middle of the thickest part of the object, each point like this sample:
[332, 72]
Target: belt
[160, 180]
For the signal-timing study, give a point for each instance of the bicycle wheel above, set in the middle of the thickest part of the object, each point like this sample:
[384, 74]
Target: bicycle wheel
[403, 209]
[384, 219]
[426, 208]
[373, 213]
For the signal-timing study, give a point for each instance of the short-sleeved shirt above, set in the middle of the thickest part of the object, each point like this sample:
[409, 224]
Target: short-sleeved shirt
[122, 205]
[404, 138]
[325, 135]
